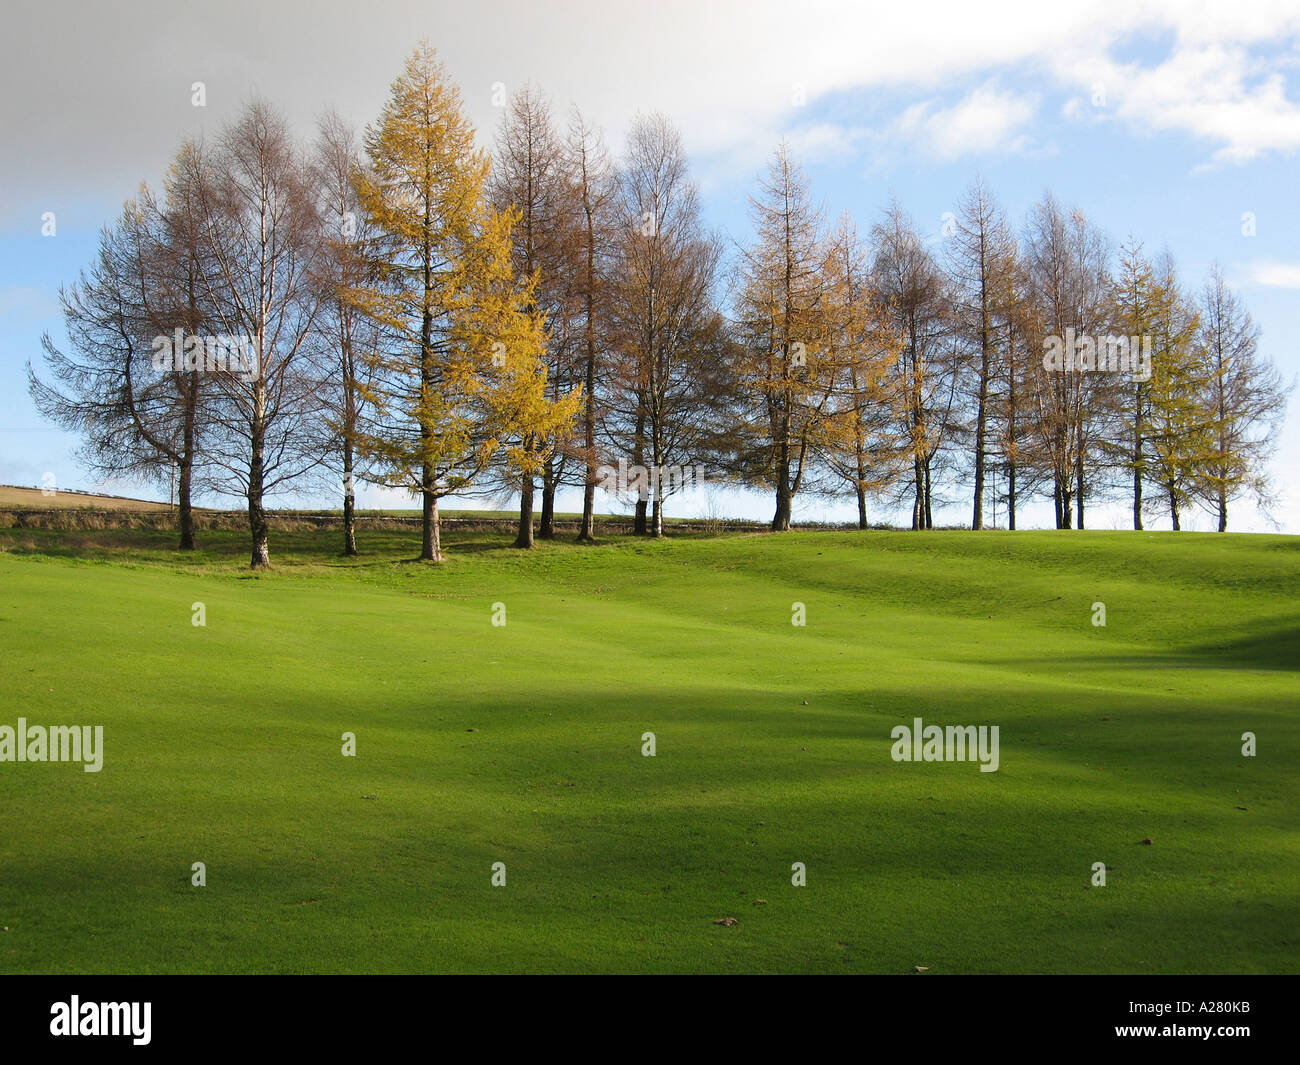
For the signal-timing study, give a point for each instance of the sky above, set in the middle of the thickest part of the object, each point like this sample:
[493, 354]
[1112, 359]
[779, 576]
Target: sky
[1169, 122]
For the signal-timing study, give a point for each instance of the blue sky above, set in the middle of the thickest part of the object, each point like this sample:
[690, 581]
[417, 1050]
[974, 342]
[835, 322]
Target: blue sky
[1165, 122]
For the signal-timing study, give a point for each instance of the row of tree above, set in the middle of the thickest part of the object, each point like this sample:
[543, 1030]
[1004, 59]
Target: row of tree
[420, 316]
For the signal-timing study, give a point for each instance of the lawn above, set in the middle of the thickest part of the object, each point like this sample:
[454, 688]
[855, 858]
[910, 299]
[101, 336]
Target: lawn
[522, 744]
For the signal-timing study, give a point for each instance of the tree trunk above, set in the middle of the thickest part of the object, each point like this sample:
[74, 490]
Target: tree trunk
[261, 556]
[588, 531]
[549, 478]
[525, 538]
[431, 548]
[639, 526]
[185, 466]
[1137, 462]
[349, 505]
[929, 498]
[1173, 509]
[784, 501]
[1011, 497]
[1078, 499]
[977, 517]
[862, 507]
[435, 530]
[427, 503]
[918, 502]
[1223, 509]
[1011, 434]
[185, 506]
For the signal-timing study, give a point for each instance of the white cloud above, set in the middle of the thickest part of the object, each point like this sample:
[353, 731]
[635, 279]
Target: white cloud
[985, 120]
[1274, 274]
[1222, 94]
[726, 71]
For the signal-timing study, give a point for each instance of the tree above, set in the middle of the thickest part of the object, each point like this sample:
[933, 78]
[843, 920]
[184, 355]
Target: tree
[871, 454]
[1067, 259]
[1154, 413]
[984, 253]
[140, 301]
[788, 369]
[667, 330]
[261, 230]
[1011, 404]
[348, 334]
[530, 175]
[458, 373]
[1178, 423]
[916, 294]
[596, 189]
[1245, 399]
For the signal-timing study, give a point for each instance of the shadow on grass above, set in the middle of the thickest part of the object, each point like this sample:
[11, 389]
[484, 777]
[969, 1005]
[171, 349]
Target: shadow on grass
[1271, 645]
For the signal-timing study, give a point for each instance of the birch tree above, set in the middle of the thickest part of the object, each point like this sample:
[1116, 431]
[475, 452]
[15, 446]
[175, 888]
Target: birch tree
[347, 335]
[666, 326]
[261, 230]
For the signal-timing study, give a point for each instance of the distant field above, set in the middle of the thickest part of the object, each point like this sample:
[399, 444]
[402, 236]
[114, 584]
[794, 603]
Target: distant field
[14, 497]
[35, 499]
[522, 744]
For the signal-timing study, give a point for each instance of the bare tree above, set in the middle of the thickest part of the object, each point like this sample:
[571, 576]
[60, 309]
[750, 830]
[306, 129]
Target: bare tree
[664, 318]
[132, 383]
[1012, 409]
[916, 293]
[983, 256]
[596, 187]
[348, 336]
[1068, 261]
[262, 231]
[1246, 400]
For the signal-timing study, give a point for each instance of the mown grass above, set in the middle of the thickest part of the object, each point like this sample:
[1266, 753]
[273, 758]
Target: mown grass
[522, 744]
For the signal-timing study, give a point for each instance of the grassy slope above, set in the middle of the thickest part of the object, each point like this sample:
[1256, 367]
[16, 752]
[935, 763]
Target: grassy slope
[17, 498]
[223, 746]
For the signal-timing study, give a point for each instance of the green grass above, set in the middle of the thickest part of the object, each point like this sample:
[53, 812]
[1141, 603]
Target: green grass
[521, 744]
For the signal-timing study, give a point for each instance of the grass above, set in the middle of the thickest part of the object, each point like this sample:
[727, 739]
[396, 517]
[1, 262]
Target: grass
[13, 497]
[522, 744]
